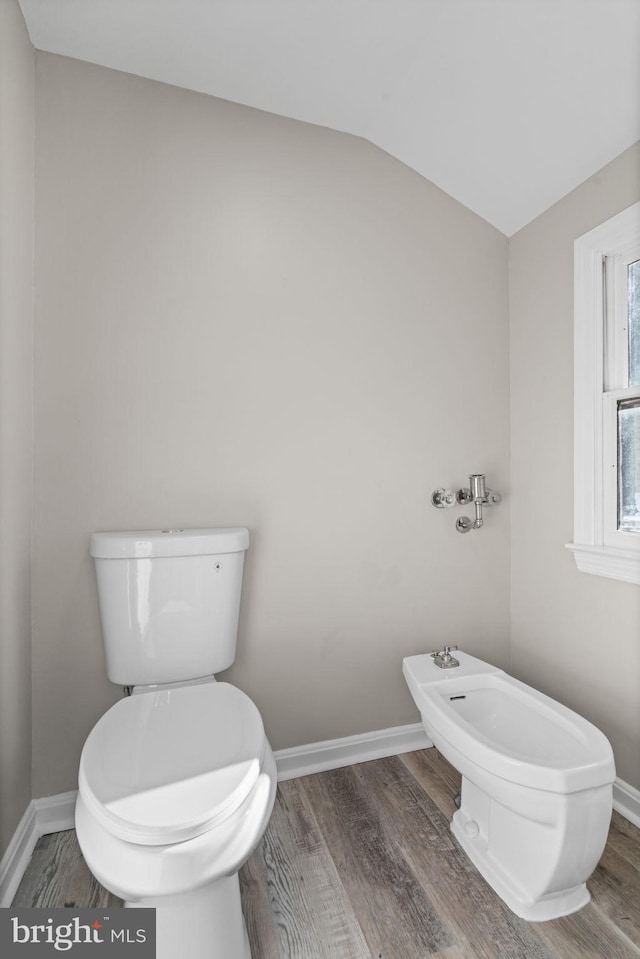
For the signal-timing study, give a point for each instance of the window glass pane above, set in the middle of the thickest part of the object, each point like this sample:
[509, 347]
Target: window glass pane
[629, 464]
[633, 292]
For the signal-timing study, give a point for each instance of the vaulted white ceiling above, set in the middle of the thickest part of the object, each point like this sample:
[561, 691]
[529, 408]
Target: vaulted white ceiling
[507, 105]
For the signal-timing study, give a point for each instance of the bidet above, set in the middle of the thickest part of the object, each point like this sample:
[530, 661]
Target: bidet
[537, 781]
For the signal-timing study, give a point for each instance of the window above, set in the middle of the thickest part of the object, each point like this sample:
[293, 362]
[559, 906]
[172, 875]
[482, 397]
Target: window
[628, 518]
[607, 399]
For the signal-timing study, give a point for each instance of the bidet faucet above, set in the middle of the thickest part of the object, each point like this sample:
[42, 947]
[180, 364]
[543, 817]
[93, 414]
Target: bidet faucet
[444, 659]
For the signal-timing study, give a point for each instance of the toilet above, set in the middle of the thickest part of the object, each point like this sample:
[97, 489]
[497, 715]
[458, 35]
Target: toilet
[177, 780]
[537, 781]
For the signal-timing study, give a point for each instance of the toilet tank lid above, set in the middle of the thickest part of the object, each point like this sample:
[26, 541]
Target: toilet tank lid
[139, 544]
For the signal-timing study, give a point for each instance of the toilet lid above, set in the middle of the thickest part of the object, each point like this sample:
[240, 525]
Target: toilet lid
[164, 766]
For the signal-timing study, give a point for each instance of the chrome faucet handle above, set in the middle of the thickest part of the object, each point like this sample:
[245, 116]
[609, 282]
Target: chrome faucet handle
[443, 658]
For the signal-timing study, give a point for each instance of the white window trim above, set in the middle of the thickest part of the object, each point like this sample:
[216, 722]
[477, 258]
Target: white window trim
[591, 553]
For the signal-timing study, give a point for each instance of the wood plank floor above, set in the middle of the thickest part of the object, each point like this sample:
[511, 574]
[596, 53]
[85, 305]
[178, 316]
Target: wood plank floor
[359, 863]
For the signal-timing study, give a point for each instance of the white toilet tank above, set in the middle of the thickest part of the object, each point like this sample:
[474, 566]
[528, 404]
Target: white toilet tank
[169, 602]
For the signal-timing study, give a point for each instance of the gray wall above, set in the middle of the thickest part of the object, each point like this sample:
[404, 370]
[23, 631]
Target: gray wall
[573, 635]
[246, 320]
[242, 319]
[16, 316]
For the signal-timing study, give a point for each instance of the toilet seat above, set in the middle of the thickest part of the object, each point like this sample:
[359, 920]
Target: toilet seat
[168, 765]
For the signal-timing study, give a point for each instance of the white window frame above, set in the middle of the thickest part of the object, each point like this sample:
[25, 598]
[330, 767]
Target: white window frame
[598, 546]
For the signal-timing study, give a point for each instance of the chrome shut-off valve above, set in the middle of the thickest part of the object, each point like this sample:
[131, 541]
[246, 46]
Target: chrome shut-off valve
[476, 493]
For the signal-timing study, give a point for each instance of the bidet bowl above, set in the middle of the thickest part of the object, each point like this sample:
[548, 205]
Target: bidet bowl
[519, 733]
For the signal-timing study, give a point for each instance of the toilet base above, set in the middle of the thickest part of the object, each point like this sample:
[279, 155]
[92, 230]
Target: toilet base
[206, 923]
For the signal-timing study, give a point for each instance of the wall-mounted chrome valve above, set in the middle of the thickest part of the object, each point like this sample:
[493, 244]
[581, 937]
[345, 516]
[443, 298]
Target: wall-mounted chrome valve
[476, 493]
[464, 524]
[443, 498]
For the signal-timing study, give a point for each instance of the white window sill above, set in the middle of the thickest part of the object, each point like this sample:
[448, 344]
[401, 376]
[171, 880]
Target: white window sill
[606, 561]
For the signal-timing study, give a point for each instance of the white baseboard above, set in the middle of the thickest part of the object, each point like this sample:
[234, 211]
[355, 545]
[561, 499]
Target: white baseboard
[52, 814]
[56, 813]
[334, 753]
[626, 801]
[18, 854]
